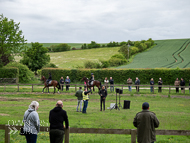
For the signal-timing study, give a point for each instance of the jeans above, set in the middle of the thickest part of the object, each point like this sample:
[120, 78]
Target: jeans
[159, 89]
[79, 103]
[151, 89]
[56, 136]
[130, 88]
[111, 88]
[177, 89]
[137, 88]
[102, 101]
[85, 106]
[31, 138]
[67, 87]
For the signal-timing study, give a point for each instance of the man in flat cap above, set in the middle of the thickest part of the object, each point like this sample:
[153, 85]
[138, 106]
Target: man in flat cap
[146, 122]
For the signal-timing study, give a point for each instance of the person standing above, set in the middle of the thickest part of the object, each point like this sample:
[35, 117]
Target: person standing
[106, 81]
[67, 82]
[146, 122]
[62, 82]
[182, 83]
[111, 84]
[103, 95]
[31, 122]
[137, 82]
[160, 85]
[56, 118]
[151, 83]
[129, 82]
[78, 94]
[177, 83]
[85, 95]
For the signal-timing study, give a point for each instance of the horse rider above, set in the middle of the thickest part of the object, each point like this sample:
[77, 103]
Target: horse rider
[91, 79]
[49, 79]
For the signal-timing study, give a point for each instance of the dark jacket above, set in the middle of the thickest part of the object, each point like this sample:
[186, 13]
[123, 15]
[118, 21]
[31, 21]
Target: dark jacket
[56, 118]
[50, 78]
[103, 92]
[62, 81]
[146, 122]
[137, 82]
[160, 82]
[182, 83]
[78, 94]
[152, 82]
[111, 81]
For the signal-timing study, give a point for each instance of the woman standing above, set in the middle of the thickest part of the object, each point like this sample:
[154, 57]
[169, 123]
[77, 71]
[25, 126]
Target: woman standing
[31, 122]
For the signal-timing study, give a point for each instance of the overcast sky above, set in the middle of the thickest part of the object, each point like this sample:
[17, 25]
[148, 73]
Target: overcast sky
[80, 21]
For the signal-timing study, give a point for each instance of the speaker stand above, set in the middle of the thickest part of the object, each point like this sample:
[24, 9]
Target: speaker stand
[115, 106]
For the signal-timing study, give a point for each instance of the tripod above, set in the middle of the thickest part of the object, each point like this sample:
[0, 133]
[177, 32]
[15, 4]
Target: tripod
[115, 106]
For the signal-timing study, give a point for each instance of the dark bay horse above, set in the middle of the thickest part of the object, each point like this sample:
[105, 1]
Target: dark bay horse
[53, 83]
[95, 83]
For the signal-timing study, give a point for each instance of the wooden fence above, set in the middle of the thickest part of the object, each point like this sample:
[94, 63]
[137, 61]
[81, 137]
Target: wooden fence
[133, 132]
[169, 87]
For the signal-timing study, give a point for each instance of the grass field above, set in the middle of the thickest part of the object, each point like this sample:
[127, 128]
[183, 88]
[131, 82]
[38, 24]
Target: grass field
[168, 54]
[74, 58]
[172, 113]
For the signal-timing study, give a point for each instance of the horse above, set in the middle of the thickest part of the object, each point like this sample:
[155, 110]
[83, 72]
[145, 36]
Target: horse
[95, 83]
[53, 83]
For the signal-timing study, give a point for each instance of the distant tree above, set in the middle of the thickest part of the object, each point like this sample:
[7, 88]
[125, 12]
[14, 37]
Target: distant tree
[11, 40]
[35, 57]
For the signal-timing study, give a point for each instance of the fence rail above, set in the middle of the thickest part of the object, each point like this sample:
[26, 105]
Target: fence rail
[169, 87]
[132, 132]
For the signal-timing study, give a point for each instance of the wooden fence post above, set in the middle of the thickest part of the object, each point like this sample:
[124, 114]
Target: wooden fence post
[153, 89]
[75, 87]
[7, 135]
[67, 131]
[133, 135]
[4, 87]
[184, 90]
[32, 87]
[18, 87]
[169, 89]
[122, 87]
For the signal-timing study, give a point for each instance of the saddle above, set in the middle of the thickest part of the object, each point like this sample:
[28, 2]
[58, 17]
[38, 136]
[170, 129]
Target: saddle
[49, 82]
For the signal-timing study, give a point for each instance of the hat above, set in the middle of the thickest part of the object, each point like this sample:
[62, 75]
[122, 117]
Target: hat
[145, 105]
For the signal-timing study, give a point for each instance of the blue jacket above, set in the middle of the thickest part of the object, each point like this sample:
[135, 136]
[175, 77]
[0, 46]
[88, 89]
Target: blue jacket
[67, 81]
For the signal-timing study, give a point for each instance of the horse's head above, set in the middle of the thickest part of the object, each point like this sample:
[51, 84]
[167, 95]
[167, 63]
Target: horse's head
[84, 79]
[42, 78]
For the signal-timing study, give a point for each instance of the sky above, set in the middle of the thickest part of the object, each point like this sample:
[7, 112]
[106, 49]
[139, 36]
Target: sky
[102, 21]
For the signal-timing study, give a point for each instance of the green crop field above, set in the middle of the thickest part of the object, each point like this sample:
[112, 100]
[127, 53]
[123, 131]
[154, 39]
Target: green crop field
[167, 54]
[173, 114]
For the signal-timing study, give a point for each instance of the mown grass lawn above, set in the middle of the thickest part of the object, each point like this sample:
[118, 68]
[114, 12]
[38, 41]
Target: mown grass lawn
[172, 113]
[74, 58]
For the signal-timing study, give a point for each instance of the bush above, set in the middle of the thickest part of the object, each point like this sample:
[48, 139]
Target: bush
[103, 45]
[50, 65]
[73, 48]
[137, 43]
[61, 48]
[84, 46]
[119, 56]
[117, 61]
[113, 44]
[9, 72]
[142, 47]
[105, 64]
[148, 44]
[124, 50]
[93, 45]
[121, 75]
[123, 43]
[133, 50]
[92, 64]
[24, 73]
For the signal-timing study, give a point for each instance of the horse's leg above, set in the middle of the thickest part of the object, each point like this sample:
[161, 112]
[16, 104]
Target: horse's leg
[43, 89]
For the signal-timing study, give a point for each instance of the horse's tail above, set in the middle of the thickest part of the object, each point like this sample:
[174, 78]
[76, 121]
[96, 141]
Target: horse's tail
[59, 87]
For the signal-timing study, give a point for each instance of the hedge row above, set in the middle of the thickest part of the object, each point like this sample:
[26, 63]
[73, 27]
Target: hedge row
[9, 72]
[121, 75]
